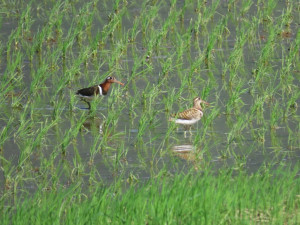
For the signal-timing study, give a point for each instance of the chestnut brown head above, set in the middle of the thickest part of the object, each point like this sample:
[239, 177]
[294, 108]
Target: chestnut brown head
[113, 80]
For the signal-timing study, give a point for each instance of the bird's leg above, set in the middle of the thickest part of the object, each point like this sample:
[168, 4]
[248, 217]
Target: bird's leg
[185, 130]
[88, 104]
[190, 128]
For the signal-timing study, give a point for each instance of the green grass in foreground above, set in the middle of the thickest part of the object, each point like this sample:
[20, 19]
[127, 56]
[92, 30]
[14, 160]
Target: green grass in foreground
[262, 198]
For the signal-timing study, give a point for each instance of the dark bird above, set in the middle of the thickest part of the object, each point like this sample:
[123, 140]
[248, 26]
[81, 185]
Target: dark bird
[88, 94]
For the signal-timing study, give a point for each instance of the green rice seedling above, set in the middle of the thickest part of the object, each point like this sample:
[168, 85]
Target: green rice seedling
[119, 50]
[292, 103]
[209, 49]
[293, 139]
[270, 6]
[139, 69]
[84, 22]
[116, 6]
[96, 145]
[266, 54]
[159, 48]
[54, 60]
[235, 102]
[73, 99]
[167, 66]
[150, 102]
[183, 43]
[114, 22]
[26, 21]
[149, 13]
[231, 6]
[208, 12]
[55, 20]
[236, 132]
[70, 135]
[286, 79]
[11, 78]
[259, 134]
[25, 123]
[261, 197]
[207, 122]
[223, 32]
[95, 44]
[252, 33]
[45, 34]
[110, 121]
[143, 124]
[183, 10]
[246, 5]
[38, 80]
[276, 114]
[216, 34]
[257, 110]
[77, 166]
[169, 22]
[58, 107]
[121, 154]
[94, 178]
[5, 133]
[294, 48]
[196, 67]
[287, 17]
[68, 42]
[276, 142]
[287, 65]
[269, 92]
[1, 47]
[184, 83]
[169, 100]
[236, 56]
[13, 42]
[41, 134]
[134, 31]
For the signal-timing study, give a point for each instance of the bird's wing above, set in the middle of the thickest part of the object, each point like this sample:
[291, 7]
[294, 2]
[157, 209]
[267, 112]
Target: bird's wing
[87, 91]
[188, 114]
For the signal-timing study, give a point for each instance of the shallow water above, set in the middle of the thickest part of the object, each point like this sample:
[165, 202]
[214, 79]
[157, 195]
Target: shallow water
[132, 141]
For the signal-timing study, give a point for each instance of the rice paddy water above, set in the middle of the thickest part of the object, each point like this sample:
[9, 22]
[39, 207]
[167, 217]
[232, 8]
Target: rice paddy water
[123, 160]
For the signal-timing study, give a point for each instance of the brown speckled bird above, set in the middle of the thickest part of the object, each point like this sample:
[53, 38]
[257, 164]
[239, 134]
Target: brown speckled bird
[190, 116]
[87, 94]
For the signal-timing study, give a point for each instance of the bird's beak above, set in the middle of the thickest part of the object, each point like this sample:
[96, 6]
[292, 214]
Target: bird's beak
[118, 82]
[206, 103]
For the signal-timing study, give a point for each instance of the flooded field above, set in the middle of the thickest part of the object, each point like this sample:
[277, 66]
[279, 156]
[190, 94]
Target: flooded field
[242, 57]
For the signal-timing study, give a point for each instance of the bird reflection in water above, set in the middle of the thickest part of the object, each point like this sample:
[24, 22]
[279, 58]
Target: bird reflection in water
[188, 153]
[93, 124]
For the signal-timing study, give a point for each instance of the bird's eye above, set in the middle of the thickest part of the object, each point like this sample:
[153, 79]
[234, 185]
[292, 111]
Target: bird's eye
[109, 78]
